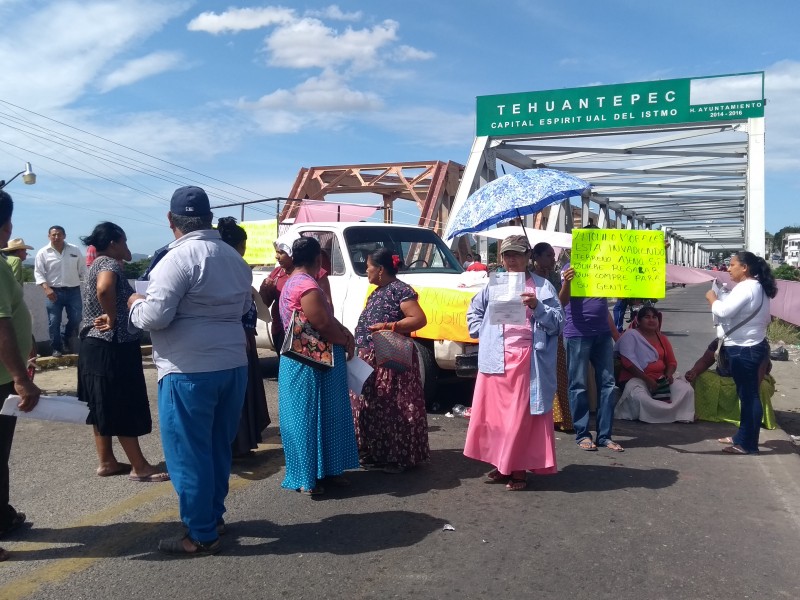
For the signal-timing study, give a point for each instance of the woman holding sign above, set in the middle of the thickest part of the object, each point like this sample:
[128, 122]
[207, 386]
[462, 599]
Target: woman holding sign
[511, 426]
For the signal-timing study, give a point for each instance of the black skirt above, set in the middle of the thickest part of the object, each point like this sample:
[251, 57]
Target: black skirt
[255, 415]
[111, 382]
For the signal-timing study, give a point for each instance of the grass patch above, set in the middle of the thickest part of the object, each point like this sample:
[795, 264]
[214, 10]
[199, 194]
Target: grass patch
[781, 331]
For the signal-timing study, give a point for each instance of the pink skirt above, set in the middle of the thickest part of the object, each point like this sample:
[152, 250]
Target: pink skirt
[502, 431]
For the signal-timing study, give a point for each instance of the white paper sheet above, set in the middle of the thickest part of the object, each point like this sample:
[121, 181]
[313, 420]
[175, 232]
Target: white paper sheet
[66, 409]
[358, 371]
[141, 287]
[505, 301]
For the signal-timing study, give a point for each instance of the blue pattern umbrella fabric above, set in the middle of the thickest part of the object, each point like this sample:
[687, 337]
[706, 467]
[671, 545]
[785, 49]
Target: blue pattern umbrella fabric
[513, 195]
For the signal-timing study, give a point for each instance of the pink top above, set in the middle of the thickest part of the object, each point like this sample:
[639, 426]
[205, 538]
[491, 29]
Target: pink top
[297, 286]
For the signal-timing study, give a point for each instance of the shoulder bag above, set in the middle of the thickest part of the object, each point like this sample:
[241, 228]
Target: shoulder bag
[720, 355]
[304, 344]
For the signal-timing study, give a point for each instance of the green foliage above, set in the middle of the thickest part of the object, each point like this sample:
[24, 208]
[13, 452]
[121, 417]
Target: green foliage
[135, 269]
[777, 240]
[787, 272]
[27, 274]
[781, 331]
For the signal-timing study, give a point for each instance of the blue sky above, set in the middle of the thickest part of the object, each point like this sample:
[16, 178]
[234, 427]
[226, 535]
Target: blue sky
[239, 97]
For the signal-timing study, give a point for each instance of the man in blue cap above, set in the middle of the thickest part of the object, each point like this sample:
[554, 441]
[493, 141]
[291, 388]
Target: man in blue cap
[197, 295]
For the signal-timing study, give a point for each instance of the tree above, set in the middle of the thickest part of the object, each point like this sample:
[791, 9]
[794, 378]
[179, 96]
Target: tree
[787, 272]
[135, 269]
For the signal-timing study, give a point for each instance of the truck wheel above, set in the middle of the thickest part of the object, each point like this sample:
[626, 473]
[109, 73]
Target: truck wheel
[429, 373]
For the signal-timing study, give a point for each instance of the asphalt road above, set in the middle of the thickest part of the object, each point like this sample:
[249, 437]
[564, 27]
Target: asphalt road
[670, 518]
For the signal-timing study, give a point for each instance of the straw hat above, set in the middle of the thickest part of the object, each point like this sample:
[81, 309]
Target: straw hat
[16, 244]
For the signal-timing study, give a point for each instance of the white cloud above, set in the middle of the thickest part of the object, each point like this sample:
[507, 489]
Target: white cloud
[308, 43]
[326, 93]
[406, 53]
[52, 55]
[335, 13]
[241, 19]
[141, 68]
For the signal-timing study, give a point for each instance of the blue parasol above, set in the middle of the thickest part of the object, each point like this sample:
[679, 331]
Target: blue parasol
[513, 195]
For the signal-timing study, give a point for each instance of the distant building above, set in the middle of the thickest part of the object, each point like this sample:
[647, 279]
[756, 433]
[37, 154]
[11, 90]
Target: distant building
[791, 248]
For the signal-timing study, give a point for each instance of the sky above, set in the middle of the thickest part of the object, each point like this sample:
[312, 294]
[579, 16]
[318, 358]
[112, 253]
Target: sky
[117, 103]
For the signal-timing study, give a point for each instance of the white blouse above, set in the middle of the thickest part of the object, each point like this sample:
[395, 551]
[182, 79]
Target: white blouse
[742, 302]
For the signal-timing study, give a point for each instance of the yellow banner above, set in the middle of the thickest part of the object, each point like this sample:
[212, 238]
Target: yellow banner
[618, 263]
[260, 237]
[446, 311]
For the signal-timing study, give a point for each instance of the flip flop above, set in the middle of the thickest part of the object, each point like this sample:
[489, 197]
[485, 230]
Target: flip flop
[614, 446]
[122, 469]
[317, 491]
[152, 478]
[175, 547]
[735, 449]
[587, 444]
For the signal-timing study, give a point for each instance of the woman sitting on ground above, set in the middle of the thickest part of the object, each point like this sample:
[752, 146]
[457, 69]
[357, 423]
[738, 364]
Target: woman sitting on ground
[651, 393]
[715, 397]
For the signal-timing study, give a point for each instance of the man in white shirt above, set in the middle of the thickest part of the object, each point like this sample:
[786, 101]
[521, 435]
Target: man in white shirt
[193, 310]
[59, 269]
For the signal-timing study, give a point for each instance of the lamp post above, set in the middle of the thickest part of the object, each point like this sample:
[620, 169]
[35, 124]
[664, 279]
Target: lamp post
[28, 177]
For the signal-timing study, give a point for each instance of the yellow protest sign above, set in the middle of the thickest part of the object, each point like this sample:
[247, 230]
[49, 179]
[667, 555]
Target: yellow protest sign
[260, 237]
[446, 310]
[619, 263]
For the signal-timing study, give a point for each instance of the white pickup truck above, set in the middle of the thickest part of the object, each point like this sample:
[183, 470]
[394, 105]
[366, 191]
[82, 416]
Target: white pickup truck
[429, 266]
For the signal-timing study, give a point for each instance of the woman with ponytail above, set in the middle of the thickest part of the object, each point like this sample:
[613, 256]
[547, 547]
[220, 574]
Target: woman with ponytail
[743, 318]
[390, 419]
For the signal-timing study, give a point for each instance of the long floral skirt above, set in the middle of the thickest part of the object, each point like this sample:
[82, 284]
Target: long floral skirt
[390, 419]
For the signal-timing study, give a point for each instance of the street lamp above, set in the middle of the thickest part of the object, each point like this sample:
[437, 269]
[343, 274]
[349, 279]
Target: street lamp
[28, 177]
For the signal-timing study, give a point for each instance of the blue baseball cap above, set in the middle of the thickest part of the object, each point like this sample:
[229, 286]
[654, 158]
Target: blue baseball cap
[190, 201]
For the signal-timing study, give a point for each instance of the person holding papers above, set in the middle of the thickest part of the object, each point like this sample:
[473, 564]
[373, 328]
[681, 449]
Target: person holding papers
[518, 319]
[110, 376]
[743, 317]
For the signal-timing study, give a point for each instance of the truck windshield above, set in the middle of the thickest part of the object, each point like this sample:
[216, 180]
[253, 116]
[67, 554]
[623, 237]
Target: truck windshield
[422, 250]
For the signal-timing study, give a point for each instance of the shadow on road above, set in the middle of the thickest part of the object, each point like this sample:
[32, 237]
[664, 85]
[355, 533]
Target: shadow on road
[340, 534]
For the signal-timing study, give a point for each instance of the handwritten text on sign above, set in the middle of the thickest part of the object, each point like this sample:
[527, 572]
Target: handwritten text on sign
[446, 311]
[260, 236]
[620, 263]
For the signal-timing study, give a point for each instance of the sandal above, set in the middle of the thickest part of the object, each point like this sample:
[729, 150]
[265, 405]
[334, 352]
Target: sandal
[517, 484]
[587, 444]
[315, 491]
[735, 449]
[175, 546]
[495, 476]
[614, 446]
